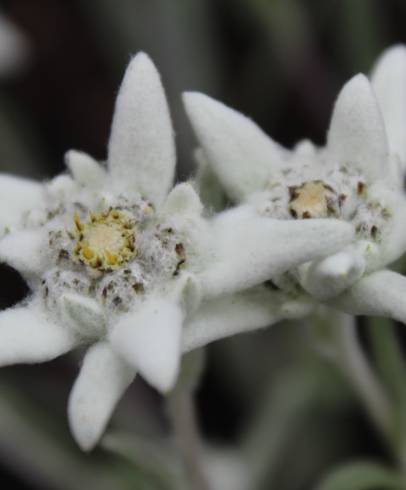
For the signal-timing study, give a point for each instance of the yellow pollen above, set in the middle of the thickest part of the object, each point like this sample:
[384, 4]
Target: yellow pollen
[111, 259]
[87, 252]
[312, 199]
[106, 241]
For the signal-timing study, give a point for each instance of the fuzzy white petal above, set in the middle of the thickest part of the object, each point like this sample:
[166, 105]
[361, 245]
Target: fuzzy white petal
[357, 134]
[241, 312]
[184, 290]
[17, 197]
[389, 82]
[184, 201]
[61, 188]
[329, 277]
[249, 249]
[102, 380]
[241, 154]
[84, 315]
[25, 250]
[149, 339]
[141, 148]
[27, 335]
[85, 170]
[382, 293]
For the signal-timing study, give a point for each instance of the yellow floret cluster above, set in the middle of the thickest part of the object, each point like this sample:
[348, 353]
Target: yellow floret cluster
[106, 241]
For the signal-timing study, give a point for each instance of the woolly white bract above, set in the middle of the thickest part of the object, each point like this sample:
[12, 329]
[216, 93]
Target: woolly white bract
[118, 260]
[111, 257]
[356, 178]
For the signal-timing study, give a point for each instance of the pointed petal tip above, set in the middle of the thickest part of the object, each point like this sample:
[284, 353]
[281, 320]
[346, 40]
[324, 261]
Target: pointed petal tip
[141, 148]
[357, 85]
[357, 134]
[389, 82]
[198, 104]
[86, 441]
[166, 381]
[183, 199]
[190, 98]
[141, 61]
[394, 53]
[84, 169]
[241, 155]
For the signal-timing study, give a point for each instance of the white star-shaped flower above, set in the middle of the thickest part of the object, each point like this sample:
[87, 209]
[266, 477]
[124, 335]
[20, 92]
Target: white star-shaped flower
[357, 178]
[118, 260]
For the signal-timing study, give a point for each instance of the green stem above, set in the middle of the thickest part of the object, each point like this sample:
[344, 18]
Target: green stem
[389, 359]
[182, 413]
[360, 374]
[388, 355]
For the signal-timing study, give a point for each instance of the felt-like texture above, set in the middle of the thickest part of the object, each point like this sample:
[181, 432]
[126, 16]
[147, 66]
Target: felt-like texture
[357, 135]
[25, 250]
[382, 293]
[18, 197]
[331, 276]
[84, 315]
[249, 249]
[242, 312]
[241, 154]
[85, 170]
[28, 335]
[389, 82]
[149, 339]
[102, 380]
[141, 148]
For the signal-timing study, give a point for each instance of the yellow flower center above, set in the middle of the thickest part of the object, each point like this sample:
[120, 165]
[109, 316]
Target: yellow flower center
[313, 199]
[106, 241]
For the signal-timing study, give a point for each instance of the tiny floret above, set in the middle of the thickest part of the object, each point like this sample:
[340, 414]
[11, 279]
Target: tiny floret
[106, 241]
[313, 199]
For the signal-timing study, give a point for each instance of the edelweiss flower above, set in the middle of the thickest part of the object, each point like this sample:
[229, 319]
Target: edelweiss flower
[107, 247]
[357, 178]
[117, 261]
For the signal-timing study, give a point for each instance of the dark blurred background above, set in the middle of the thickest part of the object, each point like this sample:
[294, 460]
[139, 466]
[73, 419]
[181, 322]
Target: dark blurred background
[280, 61]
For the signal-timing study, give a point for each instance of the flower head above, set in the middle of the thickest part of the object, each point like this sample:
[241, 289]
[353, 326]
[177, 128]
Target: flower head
[111, 254]
[357, 178]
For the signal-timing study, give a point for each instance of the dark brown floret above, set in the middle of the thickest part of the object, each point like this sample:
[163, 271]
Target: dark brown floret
[138, 287]
[361, 188]
[179, 249]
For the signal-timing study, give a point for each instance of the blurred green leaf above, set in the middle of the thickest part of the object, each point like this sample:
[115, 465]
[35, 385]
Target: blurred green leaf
[155, 458]
[362, 476]
[388, 355]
